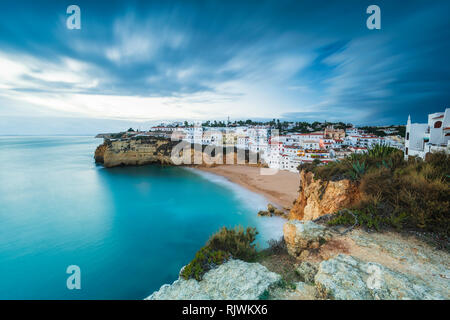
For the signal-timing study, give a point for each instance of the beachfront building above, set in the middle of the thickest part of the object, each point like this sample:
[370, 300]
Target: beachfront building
[423, 138]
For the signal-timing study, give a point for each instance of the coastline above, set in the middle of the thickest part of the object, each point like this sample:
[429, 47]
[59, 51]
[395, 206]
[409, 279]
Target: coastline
[281, 189]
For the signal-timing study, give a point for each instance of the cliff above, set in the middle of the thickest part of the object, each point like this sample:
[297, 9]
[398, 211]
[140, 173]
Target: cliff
[354, 266]
[317, 198]
[134, 152]
[365, 265]
[152, 149]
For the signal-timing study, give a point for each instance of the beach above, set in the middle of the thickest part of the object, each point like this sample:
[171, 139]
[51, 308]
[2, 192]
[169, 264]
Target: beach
[280, 189]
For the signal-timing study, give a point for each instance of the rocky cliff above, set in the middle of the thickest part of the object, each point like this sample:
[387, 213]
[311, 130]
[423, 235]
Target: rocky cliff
[317, 198]
[365, 266]
[152, 149]
[148, 150]
[233, 280]
[354, 266]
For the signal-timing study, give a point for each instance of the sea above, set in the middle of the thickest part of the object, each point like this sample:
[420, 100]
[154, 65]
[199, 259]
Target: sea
[127, 230]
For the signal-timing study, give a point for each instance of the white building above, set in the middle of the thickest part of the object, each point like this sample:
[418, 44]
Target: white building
[243, 142]
[352, 131]
[423, 138]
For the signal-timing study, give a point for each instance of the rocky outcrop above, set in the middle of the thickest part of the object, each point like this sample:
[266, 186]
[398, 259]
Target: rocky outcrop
[317, 198]
[271, 211]
[347, 278]
[152, 149]
[99, 155]
[365, 266]
[127, 152]
[301, 291]
[233, 280]
[303, 236]
[307, 271]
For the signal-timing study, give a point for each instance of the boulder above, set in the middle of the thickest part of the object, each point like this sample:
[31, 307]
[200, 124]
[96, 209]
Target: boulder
[233, 280]
[347, 278]
[303, 236]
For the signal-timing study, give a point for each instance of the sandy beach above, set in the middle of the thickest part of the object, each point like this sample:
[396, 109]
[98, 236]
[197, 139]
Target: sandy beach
[280, 189]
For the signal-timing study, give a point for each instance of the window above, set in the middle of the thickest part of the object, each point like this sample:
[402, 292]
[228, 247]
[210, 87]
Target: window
[407, 136]
[437, 124]
[406, 151]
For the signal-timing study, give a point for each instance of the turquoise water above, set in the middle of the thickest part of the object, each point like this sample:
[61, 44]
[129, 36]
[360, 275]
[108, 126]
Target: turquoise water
[130, 230]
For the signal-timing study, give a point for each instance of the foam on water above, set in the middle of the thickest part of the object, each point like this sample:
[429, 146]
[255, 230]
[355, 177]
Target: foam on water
[270, 227]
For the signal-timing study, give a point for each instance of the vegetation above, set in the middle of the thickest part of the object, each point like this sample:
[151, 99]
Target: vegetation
[356, 165]
[282, 126]
[411, 194]
[277, 259]
[234, 243]
[379, 131]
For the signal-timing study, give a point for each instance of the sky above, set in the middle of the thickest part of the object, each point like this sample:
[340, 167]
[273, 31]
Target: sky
[134, 63]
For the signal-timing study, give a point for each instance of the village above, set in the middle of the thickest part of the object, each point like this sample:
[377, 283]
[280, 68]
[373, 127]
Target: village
[281, 151]
[281, 147]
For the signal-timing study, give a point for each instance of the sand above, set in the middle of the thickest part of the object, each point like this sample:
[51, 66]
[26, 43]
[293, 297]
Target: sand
[280, 189]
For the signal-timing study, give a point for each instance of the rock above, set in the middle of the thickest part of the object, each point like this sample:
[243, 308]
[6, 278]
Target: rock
[302, 291]
[278, 212]
[317, 198]
[302, 236]
[307, 271]
[235, 280]
[263, 213]
[271, 208]
[346, 278]
[100, 152]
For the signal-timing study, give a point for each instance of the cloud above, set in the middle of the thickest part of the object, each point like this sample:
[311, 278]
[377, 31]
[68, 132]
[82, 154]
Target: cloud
[296, 59]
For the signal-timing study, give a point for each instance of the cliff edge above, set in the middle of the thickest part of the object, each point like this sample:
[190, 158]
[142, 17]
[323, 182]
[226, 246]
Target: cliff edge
[133, 152]
[317, 198]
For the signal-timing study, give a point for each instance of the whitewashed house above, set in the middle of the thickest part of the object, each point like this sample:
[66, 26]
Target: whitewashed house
[423, 138]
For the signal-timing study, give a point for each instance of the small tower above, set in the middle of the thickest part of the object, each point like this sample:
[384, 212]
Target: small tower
[407, 136]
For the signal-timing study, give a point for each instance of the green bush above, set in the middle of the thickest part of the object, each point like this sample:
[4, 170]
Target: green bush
[358, 170]
[222, 246]
[354, 166]
[204, 260]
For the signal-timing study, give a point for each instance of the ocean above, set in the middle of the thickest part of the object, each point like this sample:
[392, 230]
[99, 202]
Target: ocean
[128, 229]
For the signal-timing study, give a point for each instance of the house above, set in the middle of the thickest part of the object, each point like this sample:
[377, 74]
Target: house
[331, 133]
[423, 138]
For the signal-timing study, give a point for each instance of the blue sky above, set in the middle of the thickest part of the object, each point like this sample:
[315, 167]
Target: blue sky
[173, 60]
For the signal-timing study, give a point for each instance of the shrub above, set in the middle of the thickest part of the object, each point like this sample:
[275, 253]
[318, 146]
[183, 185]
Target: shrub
[205, 259]
[410, 194]
[277, 246]
[356, 165]
[237, 242]
[381, 151]
[222, 246]
[358, 170]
